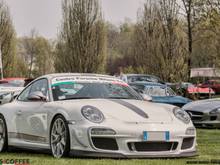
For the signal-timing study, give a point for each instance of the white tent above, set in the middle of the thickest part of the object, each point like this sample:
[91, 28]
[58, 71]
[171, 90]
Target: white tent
[205, 72]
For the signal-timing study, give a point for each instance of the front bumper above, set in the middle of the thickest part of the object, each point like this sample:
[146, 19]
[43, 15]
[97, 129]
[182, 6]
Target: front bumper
[205, 119]
[121, 155]
[82, 141]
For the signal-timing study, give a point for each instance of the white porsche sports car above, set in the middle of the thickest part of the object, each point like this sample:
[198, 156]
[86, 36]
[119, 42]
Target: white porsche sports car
[94, 115]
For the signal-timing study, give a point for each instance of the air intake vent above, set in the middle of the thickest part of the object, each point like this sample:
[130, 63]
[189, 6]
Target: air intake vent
[105, 143]
[187, 143]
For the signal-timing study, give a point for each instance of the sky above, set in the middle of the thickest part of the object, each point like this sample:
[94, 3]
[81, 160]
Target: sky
[45, 15]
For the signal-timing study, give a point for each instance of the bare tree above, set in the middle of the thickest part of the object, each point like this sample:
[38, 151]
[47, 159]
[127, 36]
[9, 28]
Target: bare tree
[82, 41]
[189, 9]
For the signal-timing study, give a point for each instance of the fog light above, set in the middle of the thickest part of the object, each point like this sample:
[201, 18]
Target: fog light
[190, 131]
[102, 131]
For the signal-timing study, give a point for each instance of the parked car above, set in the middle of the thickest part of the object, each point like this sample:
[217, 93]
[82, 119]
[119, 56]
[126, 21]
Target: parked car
[214, 84]
[94, 115]
[200, 91]
[11, 87]
[204, 113]
[160, 93]
[16, 81]
[192, 91]
[130, 78]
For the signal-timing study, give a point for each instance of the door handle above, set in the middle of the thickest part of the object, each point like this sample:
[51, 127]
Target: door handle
[19, 112]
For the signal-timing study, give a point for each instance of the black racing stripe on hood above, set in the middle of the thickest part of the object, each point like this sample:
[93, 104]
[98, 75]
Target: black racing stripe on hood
[131, 107]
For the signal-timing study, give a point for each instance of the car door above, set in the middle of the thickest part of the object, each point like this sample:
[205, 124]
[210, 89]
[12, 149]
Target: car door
[32, 115]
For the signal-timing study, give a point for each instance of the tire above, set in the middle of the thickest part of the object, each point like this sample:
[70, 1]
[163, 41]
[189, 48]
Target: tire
[59, 137]
[3, 134]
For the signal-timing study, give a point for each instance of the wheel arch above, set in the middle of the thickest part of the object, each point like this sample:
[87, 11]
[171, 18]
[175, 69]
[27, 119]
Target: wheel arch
[55, 115]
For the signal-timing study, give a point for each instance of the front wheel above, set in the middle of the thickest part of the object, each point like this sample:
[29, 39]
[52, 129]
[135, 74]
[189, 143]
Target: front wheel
[59, 137]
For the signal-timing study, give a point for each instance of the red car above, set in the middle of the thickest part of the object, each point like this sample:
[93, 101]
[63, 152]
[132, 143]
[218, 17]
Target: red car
[196, 91]
[214, 84]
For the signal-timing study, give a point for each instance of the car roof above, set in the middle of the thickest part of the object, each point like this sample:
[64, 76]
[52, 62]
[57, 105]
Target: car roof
[145, 83]
[213, 80]
[139, 75]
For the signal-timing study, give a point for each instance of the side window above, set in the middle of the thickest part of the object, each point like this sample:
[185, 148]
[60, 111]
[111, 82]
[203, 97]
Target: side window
[40, 85]
[24, 95]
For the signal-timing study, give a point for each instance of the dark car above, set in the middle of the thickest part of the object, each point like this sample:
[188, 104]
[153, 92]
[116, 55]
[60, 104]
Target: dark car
[160, 93]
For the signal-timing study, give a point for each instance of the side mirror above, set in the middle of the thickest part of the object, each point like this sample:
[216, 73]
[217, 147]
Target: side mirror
[37, 96]
[147, 97]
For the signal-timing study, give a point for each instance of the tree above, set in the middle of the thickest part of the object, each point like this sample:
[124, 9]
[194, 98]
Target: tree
[29, 46]
[120, 47]
[36, 54]
[192, 12]
[81, 44]
[160, 41]
[7, 40]
[206, 51]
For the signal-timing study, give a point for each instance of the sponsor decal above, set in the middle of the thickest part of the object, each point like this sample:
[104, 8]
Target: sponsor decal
[213, 161]
[80, 79]
[14, 162]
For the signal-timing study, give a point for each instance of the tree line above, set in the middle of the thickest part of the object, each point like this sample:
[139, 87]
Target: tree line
[168, 39]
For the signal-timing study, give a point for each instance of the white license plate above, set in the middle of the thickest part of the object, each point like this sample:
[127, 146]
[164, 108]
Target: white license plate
[156, 136]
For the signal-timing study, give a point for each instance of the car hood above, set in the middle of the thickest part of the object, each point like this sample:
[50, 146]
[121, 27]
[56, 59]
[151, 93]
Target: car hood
[125, 110]
[203, 105]
[171, 99]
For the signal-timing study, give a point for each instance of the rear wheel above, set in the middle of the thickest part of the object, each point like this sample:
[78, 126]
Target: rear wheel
[59, 137]
[3, 135]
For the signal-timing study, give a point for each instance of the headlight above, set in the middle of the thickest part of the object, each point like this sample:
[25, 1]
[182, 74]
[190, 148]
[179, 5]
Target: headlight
[181, 115]
[215, 111]
[92, 114]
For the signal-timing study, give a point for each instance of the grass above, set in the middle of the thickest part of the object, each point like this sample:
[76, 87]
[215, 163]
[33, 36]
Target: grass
[208, 148]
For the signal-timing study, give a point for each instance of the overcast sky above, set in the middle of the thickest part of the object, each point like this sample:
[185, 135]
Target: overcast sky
[45, 15]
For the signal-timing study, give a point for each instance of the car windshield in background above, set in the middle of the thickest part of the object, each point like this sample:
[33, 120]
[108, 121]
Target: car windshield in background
[73, 90]
[12, 83]
[141, 78]
[6, 85]
[159, 91]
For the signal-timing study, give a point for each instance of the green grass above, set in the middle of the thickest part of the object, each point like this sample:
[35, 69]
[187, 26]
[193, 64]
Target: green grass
[208, 148]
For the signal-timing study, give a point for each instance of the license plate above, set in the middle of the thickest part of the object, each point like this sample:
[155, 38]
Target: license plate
[156, 136]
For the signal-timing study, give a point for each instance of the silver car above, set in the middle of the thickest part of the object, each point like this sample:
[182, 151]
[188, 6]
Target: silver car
[204, 113]
[94, 115]
[8, 93]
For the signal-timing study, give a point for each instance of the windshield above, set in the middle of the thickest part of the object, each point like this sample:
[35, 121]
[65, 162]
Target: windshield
[142, 78]
[74, 90]
[159, 91]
